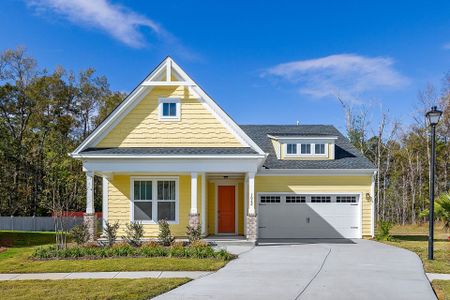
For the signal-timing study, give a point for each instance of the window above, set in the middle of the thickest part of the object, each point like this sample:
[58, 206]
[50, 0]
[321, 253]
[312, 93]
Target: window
[169, 109]
[346, 199]
[155, 199]
[319, 149]
[305, 149]
[270, 199]
[295, 199]
[320, 199]
[291, 149]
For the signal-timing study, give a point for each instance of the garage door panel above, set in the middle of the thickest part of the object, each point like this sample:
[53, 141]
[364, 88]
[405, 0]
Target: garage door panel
[309, 220]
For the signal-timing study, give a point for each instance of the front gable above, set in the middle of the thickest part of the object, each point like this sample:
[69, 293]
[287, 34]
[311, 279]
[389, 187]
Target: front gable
[137, 122]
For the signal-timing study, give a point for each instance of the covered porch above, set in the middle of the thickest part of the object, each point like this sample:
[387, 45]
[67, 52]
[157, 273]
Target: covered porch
[216, 194]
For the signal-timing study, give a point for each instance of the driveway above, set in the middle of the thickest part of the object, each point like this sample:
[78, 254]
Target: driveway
[331, 269]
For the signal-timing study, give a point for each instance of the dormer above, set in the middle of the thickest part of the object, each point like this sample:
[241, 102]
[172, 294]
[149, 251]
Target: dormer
[304, 147]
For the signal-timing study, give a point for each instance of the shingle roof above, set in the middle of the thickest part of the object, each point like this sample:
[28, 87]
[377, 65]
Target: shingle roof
[169, 151]
[346, 155]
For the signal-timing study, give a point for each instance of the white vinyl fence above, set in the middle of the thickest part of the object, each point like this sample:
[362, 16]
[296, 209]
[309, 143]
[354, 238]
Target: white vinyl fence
[36, 223]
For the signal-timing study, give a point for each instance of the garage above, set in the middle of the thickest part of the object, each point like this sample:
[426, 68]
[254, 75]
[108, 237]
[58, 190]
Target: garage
[285, 215]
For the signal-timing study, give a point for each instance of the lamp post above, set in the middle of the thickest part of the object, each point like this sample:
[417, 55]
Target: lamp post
[433, 117]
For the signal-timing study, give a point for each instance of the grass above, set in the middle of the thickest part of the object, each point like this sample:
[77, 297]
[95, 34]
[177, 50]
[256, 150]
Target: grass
[414, 238]
[442, 289]
[88, 288]
[16, 259]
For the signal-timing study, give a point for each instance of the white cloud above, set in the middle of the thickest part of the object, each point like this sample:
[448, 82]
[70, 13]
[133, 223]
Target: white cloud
[446, 46]
[117, 21]
[349, 76]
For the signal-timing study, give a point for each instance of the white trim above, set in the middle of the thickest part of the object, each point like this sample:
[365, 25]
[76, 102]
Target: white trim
[163, 156]
[105, 199]
[251, 193]
[203, 176]
[216, 208]
[154, 200]
[245, 203]
[358, 194]
[230, 165]
[140, 92]
[315, 172]
[177, 101]
[303, 137]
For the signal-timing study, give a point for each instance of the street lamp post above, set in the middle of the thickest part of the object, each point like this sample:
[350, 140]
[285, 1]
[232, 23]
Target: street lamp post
[433, 117]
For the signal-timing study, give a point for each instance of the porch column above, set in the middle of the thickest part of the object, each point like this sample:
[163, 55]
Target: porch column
[194, 220]
[252, 220]
[89, 216]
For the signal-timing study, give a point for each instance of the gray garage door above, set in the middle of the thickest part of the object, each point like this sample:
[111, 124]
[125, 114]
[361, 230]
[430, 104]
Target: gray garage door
[309, 216]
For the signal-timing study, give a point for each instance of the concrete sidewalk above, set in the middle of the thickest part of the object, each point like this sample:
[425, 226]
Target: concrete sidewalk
[438, 276]
[105, 275]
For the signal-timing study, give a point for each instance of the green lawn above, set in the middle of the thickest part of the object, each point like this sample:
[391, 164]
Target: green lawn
[16, 259]
[88, 288]
[414, 238]
[442, 289]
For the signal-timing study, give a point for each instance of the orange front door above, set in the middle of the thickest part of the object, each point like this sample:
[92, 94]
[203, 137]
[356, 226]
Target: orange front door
[226, 208]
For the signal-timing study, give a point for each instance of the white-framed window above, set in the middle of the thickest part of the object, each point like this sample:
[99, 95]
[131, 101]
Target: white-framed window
[291, 149]
[319, 148]
[169, 109]
[306, 149]
[154, 198]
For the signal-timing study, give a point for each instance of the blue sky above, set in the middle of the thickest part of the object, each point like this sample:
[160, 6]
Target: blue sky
[271, 62]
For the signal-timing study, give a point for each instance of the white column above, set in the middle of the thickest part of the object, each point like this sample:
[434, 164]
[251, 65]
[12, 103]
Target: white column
[203, 203]
[89, 192]
[251, 193]
[194, 193]
[105, 200]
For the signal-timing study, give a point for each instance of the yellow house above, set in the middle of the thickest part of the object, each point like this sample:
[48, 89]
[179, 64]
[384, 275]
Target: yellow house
[168, 151]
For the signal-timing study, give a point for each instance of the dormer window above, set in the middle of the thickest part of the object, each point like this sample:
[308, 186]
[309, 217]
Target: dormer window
[319, 149]
[169, 109]
[305, 149]
[291, 149]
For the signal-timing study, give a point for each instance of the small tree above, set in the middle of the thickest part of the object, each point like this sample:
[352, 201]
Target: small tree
[194, 232]
[80, 234]
[111, 232]
[165, 236]
[384, 231]
[134, 233]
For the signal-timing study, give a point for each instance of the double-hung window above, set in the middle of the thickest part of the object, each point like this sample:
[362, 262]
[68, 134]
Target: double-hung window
[319, 149]
[154, 199]
[169, 109]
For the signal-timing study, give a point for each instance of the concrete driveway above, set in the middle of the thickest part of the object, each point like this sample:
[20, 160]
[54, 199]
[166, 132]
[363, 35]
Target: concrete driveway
[357, 269]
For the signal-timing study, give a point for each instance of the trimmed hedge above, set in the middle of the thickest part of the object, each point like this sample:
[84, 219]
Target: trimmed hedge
[195, 250]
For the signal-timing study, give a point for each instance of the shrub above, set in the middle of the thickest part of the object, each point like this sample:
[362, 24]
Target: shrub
[165, 236]
[194, 232]
[134, 233]
[224, 255]
[79, 234]
[384, 229]
[111, 232]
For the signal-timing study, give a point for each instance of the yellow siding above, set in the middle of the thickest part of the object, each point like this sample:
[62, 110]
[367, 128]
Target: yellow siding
[299, 184]
[212, 207]
[197, 128]
[119, 204]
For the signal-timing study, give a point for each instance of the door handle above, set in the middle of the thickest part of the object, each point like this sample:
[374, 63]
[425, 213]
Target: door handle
[308, 220]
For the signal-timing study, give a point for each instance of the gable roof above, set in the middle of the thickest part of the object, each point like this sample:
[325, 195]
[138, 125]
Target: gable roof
[156, 78]
[346, 155]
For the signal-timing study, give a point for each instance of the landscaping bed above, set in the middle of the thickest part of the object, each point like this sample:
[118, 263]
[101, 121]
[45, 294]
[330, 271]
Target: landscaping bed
[198, 249]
